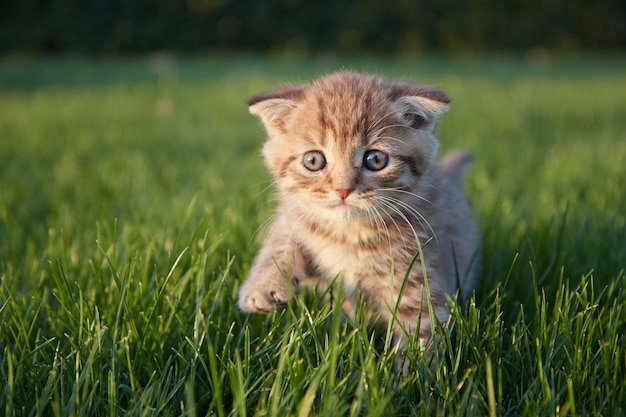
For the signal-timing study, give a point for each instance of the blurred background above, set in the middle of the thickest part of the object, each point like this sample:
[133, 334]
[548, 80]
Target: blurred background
[409, 27]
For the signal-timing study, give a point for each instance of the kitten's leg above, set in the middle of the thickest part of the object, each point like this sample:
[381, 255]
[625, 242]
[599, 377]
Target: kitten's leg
[424, 340]
[268, 284]
[413, 318]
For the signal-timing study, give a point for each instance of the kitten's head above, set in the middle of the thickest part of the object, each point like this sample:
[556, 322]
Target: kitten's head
[348, 143]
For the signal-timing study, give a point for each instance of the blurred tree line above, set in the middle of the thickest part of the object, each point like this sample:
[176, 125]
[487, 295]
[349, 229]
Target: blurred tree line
[403, 26]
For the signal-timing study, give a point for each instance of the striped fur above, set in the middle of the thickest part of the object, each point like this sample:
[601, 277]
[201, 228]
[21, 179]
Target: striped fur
[363, 225]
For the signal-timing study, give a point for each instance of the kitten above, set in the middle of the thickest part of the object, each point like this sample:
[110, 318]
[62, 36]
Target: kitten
[353, 160]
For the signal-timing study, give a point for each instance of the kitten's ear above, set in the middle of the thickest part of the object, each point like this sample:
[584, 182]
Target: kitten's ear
[275, 107]
[420, 105]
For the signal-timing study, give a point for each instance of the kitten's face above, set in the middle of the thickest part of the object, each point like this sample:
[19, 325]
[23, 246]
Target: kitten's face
[349, 145]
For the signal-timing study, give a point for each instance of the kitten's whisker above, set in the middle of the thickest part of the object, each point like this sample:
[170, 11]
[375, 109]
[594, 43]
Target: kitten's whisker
[403, 217]
[378, 122]
[394, 203]
[391, 138]
[382, 129]
[379, 221]
[270, 185]
[400, 190]
[382, 118]
[412, 210]
[267, 202]
[416, 214]
[383, 202]
[264, 225]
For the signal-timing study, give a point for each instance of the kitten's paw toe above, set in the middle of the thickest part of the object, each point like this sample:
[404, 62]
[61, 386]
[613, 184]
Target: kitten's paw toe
[262, 301]
[251, 305]
[278, 299]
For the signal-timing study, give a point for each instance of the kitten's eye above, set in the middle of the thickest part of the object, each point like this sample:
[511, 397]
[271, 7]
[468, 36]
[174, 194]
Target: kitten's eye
[375, 160]
[314, 161]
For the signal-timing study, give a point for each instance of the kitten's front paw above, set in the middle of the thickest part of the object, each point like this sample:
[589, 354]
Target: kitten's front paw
[262, 297]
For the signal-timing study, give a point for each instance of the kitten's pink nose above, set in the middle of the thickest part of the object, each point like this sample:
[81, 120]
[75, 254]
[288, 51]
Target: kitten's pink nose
[344, 193]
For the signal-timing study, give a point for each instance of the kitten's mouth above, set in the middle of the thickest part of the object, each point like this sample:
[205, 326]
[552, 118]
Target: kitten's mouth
[330, 209]
[348, 209]
[341, 204]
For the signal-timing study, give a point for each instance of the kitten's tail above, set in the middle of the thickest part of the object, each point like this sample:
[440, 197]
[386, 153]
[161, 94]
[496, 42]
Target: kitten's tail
[454, 164]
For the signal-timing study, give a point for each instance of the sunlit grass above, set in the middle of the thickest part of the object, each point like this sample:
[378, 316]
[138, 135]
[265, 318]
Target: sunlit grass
[132, 199]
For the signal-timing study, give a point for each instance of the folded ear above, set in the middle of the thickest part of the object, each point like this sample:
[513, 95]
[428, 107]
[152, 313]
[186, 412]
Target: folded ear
[275, 107]
[421, 106]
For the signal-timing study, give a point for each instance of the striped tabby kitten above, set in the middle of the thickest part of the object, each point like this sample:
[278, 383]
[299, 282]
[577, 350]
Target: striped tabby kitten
[353, 159]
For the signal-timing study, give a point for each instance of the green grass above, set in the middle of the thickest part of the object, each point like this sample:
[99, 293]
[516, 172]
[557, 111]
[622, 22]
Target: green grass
[132, 196]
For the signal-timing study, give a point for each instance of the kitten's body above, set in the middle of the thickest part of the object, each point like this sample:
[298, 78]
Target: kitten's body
[352, 157]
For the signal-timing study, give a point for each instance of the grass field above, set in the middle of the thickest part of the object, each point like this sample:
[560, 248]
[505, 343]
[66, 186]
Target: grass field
[132, 198]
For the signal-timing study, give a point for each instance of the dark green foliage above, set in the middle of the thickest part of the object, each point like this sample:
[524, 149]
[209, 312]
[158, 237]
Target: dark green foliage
[406, 26]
